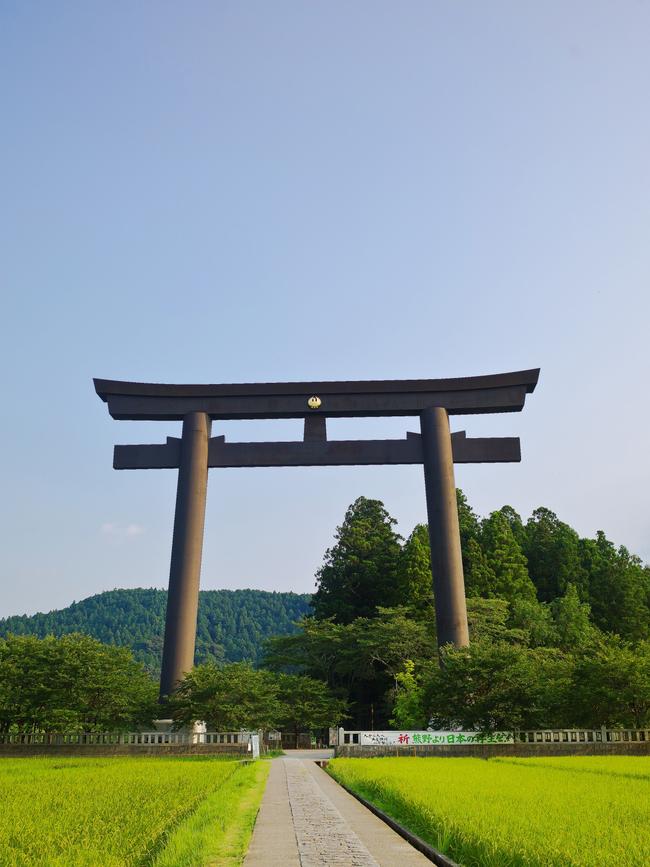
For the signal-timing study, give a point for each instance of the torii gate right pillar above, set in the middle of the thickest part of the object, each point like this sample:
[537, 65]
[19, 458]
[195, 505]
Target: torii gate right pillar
[444, 532]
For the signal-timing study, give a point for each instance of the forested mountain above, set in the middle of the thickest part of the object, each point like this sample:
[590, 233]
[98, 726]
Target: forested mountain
[232, 626]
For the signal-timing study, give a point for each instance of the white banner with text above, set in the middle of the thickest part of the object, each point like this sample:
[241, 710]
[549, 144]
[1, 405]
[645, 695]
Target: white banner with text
[423, 738]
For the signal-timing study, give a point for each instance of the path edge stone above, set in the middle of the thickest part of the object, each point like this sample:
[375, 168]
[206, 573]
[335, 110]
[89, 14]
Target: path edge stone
[418, 843]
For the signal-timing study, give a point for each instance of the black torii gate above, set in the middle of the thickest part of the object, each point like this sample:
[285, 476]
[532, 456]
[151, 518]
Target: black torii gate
[433, 400]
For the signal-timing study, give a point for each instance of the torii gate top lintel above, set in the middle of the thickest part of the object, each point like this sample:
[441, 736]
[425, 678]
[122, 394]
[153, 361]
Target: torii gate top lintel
[501, 392]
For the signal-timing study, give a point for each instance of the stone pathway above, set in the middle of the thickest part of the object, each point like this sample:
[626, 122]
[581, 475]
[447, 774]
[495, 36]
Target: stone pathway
[308, 820]
[322, 834]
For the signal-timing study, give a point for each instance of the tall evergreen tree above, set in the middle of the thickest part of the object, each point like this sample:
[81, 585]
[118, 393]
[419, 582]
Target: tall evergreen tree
[552, 550]
[415, 570]
[361, 571]
[619, 588]
[469, 527]
[572, 620]
[513, 517]
[480, 579]
[506, 560]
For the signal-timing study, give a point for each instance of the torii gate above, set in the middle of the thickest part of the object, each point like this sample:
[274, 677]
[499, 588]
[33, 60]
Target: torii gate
[433, 400]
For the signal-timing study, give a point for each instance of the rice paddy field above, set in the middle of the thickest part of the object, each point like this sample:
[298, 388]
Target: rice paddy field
[573, 811]
[127, 812]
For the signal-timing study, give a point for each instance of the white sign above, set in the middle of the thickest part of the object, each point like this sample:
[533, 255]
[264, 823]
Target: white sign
[255, 744]
[422, 738]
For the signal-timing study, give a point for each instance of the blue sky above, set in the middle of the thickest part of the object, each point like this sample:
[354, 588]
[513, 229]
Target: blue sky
[231, 192]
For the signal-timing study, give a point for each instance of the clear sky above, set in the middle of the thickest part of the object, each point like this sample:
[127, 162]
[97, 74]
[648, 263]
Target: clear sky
[231, 192]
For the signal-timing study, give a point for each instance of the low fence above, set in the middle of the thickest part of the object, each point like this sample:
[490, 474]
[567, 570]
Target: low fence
[535, 736]
[527, 743]
[150, 739]
[583, 736]
[125, 744]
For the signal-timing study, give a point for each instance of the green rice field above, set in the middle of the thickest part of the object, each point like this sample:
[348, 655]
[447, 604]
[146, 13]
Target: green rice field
[505, 812]
[127, 812]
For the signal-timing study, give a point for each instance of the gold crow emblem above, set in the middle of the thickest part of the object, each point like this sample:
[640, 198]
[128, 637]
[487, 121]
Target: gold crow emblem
[314, 402]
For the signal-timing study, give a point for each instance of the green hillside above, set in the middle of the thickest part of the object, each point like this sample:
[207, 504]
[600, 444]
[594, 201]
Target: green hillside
[233, 624]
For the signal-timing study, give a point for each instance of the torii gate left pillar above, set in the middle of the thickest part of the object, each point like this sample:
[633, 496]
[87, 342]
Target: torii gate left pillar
[187, 547]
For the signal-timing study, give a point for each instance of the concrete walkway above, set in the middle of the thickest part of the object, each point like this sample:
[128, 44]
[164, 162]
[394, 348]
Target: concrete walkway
[308, 820]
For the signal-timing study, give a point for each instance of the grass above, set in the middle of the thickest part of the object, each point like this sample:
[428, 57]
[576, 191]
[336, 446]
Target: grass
[126, 812]
[507, 812]
[218, 832]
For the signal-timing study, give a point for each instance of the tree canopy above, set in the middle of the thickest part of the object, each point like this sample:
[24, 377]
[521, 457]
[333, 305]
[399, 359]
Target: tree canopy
[72, 683]
[238, 696]
[548, 611]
